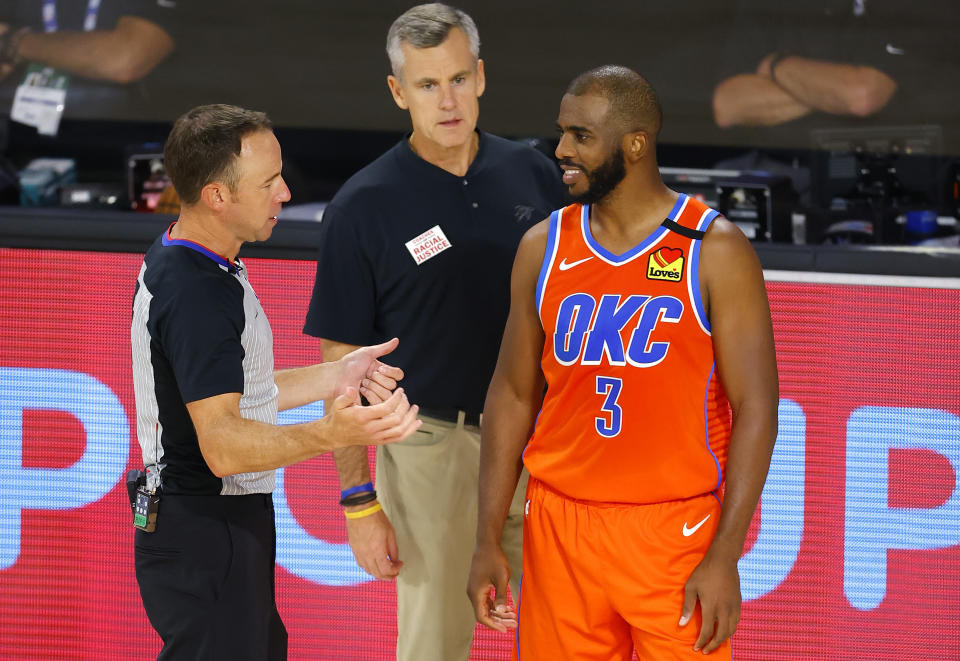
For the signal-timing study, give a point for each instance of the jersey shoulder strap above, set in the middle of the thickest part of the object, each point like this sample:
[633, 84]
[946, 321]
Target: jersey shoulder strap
[692, 219]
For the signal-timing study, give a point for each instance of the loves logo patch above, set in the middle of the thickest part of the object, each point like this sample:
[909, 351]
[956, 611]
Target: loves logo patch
[666, 264]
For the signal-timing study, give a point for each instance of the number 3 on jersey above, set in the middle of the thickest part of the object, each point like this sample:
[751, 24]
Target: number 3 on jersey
[608, 426]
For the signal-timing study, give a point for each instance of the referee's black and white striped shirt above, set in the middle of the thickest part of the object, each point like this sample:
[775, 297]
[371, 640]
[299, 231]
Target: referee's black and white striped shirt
[198, 330]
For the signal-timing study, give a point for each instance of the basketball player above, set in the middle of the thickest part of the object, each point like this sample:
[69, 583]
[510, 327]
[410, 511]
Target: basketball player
[644, 313]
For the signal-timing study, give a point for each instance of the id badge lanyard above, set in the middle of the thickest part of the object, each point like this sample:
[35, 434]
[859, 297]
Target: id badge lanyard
[50, 15]
[42, 95]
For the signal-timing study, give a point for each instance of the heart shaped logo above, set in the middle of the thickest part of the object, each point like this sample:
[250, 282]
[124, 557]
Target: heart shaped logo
[666, 256]
[666, 264]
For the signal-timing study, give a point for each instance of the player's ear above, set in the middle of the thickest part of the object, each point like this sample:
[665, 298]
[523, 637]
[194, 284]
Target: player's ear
[635, 145]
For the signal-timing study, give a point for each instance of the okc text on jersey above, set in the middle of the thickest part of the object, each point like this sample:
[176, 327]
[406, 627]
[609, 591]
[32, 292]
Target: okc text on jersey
[615, 331]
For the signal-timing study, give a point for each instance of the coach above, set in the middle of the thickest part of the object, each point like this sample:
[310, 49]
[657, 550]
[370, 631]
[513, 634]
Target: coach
[418, 245]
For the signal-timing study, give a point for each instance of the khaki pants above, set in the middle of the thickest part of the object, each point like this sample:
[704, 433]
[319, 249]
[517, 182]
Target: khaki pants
[427, 485]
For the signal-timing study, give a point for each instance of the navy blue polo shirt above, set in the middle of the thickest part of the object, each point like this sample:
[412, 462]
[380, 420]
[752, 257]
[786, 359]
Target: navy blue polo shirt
[410, 250]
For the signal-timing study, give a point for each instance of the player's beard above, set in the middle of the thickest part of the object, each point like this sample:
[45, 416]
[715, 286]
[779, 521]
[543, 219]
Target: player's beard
[603, 179]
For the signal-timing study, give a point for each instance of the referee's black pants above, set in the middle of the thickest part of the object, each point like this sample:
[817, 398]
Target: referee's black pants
[206, 578]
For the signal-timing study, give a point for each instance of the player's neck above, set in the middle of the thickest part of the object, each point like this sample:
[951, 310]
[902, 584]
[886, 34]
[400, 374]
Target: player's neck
[456, 160]
[631, 212]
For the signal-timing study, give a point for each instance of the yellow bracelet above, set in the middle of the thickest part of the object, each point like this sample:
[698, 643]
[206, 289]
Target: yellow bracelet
[373, 509]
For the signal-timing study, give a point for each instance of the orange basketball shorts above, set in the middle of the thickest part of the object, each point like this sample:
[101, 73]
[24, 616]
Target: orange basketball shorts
[600, 580]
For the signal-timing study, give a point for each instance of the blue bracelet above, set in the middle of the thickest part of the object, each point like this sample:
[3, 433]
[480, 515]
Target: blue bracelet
[346, 493]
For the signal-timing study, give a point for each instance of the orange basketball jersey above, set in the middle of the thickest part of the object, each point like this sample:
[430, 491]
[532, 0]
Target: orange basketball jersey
[634, 411]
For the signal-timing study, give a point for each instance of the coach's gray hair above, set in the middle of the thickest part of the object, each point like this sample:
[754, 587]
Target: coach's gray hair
[427, 26]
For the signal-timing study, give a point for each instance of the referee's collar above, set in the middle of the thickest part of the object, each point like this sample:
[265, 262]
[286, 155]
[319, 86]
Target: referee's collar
[200, 248]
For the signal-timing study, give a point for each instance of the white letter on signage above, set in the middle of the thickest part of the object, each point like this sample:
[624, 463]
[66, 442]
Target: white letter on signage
[301, 554]
[95, 474]
[871, 527]
[773, 554]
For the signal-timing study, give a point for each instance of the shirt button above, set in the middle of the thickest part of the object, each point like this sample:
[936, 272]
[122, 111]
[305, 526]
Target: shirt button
[475, 205]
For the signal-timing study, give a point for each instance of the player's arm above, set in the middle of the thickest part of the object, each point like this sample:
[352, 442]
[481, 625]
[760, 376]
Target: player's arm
[359, 367]
[371, 538]
[746, 363]
[509, 413]
[124, 54]
[232, 444]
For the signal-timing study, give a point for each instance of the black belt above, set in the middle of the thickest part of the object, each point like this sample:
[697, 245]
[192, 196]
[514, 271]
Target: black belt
[451, 415]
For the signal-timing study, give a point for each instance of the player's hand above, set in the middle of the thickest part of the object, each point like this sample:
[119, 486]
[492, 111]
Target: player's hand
[392, 420]
[363, 370]
[374, 544]
[487, 588]
[715, 583]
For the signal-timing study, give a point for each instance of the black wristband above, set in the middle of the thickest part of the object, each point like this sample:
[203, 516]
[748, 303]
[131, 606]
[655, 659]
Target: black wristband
[359, 499]
[777, 58]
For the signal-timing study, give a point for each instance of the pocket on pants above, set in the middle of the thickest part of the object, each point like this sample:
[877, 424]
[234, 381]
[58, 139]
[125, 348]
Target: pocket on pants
[423, 438]
[192, 555]
[158, 552]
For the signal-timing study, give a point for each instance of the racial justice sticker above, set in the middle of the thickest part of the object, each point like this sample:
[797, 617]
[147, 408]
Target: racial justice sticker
[666, 264]
[429, 244]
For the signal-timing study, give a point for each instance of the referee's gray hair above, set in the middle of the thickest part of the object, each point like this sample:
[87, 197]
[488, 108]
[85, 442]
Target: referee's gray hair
[427, 26]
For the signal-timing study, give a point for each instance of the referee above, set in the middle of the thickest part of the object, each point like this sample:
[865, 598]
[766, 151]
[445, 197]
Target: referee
[207, 398]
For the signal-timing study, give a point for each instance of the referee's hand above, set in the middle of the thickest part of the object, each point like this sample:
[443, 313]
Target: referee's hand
[392, 420]
[362, 368]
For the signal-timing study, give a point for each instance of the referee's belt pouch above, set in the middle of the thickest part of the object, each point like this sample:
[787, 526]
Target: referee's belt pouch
[145, 504]
[135, 479]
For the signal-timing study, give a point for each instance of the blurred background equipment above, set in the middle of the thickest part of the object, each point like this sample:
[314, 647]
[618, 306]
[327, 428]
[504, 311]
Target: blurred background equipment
[759, 203]
[146, 178]
[880, 138]
[42, 179]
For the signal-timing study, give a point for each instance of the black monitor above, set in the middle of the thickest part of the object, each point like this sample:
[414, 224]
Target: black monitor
[875, 173]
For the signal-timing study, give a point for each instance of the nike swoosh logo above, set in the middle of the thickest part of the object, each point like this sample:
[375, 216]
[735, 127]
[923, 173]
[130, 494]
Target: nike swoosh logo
[689, 531]
[893, 50]
[564, 265]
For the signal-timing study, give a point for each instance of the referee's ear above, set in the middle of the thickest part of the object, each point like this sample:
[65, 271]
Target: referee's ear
[214, 196]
